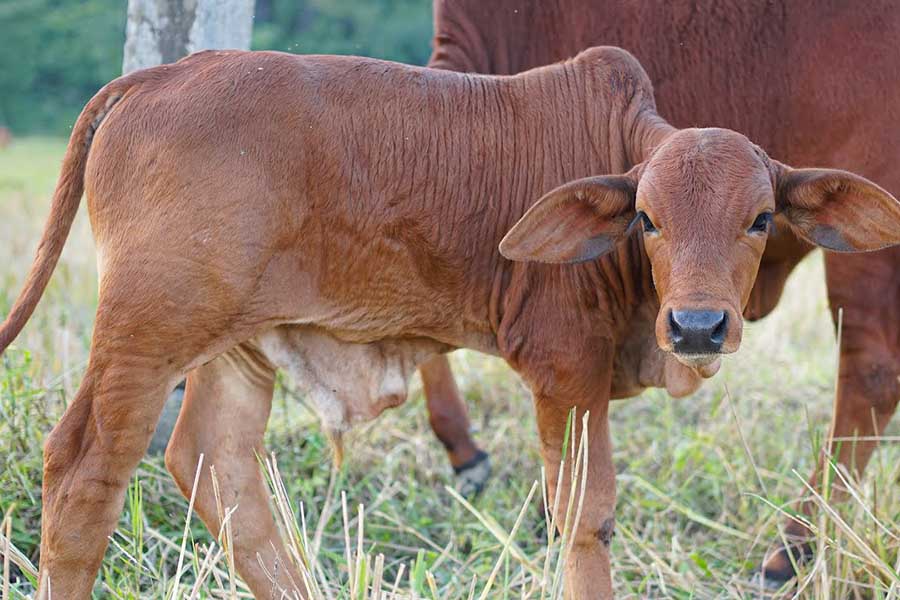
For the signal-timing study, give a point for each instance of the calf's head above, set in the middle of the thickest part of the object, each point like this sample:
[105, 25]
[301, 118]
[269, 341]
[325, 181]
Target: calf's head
[705, 202]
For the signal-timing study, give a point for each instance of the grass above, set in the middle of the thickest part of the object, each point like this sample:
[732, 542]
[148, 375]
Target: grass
[702, 484]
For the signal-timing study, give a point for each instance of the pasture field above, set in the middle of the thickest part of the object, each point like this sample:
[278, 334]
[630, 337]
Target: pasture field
[701, 486]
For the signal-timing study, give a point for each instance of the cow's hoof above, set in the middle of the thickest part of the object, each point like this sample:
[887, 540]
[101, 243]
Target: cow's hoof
[767, 581]
[778, 569]
[472, 476]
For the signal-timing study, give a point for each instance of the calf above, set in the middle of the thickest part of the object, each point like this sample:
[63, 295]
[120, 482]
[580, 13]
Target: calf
[255, 210]
[812, 81]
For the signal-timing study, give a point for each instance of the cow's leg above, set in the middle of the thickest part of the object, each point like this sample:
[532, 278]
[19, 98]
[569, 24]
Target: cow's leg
[224, 416]
[867, 287]
[449, 420]
[587, 568]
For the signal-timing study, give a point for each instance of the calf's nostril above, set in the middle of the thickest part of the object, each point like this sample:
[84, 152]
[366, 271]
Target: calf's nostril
[674, 329]
[718, 334]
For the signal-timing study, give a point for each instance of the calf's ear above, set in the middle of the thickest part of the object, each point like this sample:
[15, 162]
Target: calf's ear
[837, 210]
[577, 221]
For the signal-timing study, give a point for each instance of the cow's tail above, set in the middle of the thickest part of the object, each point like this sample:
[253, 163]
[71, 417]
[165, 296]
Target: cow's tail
[66, 198]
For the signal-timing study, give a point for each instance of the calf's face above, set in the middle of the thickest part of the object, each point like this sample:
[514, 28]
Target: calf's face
[705, 202]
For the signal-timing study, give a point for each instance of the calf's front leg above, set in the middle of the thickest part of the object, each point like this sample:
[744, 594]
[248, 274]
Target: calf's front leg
[587, 568]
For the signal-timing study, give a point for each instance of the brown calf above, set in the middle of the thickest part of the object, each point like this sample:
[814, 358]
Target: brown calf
[257, 210]
[813, 82]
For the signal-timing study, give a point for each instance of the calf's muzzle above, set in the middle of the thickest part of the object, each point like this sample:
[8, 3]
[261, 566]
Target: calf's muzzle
[694, 332]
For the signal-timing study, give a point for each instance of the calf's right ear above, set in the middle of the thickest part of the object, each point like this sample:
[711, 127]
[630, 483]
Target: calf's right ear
[578, 221]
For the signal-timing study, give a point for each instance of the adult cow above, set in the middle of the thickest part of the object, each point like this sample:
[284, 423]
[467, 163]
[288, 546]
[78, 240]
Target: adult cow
[338, 217]
[813, 82]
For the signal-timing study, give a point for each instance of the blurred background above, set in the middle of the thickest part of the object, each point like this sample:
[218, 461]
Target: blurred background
[55, 54]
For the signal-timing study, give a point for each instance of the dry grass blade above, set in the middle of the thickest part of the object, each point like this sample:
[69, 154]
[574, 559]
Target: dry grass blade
[581, 480]
[656, 560]
[7, 529]
[290, 529]
[187, 527]
[378, 577]
[737, 424]
[395, 589]
[165, 541]
[569, 525]
[348, 553]
[225, 536]
[432, 585]
[848, 486]
[211, 558]
[362, 566]
[16, 557]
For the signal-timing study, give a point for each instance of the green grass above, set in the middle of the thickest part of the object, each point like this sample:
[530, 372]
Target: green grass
[697, 506]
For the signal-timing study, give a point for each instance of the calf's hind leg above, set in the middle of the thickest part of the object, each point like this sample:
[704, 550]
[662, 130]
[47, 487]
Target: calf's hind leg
[224, 416]
[149, 331]
[88, 459]
[93, 450]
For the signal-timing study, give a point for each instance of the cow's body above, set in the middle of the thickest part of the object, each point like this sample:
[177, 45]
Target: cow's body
[812, 82]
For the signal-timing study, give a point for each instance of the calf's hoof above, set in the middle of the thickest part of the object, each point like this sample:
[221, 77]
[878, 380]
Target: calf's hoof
[472, 476]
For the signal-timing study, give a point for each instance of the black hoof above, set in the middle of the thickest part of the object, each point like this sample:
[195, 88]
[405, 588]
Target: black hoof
[472, 476]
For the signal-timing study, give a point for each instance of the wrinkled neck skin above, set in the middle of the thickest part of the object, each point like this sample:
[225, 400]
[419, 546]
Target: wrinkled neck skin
[594, 135]
[575, 308]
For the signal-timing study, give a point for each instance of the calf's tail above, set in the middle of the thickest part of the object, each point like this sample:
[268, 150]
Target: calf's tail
[66, 198]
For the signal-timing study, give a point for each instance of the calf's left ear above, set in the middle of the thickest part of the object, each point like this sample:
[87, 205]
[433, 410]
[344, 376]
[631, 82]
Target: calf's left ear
[837, 210]
[577, 221]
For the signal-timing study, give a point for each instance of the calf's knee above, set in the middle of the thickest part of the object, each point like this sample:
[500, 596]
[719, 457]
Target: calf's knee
[592, 536]
[607, 531]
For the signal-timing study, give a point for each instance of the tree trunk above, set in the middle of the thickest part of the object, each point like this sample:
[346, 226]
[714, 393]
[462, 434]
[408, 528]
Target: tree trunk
[162, 31]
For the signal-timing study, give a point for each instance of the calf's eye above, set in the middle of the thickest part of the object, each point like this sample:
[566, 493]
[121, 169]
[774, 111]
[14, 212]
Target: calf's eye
[761, 223]
[647, 224]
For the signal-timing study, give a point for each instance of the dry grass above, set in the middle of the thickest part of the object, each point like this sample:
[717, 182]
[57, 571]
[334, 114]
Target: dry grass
[703, 481]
